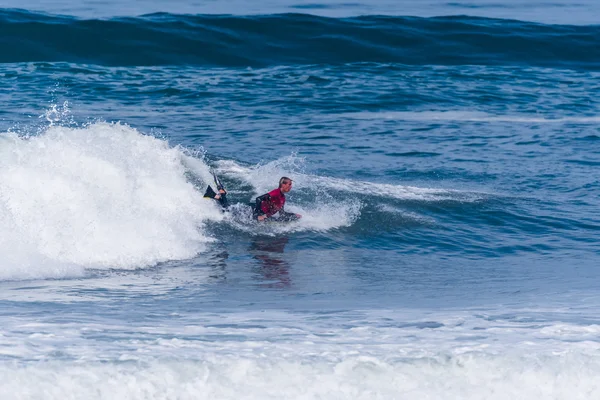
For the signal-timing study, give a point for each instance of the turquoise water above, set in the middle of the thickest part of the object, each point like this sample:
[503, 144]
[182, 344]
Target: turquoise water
[444, 168]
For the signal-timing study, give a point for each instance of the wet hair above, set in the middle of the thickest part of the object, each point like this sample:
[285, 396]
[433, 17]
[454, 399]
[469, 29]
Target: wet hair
[284, 180]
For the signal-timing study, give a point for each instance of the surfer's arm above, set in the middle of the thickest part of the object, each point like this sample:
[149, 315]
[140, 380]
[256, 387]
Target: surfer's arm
[259, 213]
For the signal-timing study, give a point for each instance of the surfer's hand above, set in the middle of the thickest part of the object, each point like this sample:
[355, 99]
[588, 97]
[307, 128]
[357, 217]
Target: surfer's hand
[261, 217]
[298, 216]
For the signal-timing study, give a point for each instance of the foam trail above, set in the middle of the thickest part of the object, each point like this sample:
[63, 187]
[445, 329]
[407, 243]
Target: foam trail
[385, 208]
[400, 192]
[103, 196]
[264, 177]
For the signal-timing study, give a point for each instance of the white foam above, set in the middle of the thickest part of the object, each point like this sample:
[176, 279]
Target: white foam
[386, 208]
[472, 116]
[197, 167]
[568, 331]
[264, 177]
[102, 196]
[379, 354]
[319, 217]
[356, 377]
[401, 192]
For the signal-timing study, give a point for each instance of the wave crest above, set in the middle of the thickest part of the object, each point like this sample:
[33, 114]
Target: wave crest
[263, 40]
[103, 196]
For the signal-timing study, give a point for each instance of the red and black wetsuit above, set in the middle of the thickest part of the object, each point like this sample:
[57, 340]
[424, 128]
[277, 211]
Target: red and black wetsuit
[272, 203]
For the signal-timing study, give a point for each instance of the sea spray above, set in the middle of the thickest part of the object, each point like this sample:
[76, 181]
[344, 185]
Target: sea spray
[101, 196]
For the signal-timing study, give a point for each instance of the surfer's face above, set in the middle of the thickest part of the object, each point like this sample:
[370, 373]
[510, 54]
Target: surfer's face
[286, 186]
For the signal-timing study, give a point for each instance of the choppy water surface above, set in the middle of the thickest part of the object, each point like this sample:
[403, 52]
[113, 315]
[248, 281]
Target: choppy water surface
[445, 169]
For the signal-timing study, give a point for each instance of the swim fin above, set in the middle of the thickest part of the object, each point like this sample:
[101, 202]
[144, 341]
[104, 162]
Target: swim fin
[210, 193]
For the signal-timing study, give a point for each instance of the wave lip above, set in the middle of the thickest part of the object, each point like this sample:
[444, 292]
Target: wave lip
[263, 40]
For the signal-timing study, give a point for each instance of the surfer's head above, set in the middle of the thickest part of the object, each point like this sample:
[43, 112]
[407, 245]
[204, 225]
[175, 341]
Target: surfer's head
[285, 184]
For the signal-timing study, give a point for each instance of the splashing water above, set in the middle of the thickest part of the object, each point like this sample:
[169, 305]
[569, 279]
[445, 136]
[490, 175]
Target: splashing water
[103, 196]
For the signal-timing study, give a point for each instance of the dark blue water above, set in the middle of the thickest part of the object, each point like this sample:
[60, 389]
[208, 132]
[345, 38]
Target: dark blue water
[265, 40]
[445, 168]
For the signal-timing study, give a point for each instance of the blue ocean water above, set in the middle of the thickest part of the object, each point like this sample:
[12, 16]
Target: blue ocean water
[444, 159]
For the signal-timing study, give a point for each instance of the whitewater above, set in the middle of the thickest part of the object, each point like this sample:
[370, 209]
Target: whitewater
[444, 159]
